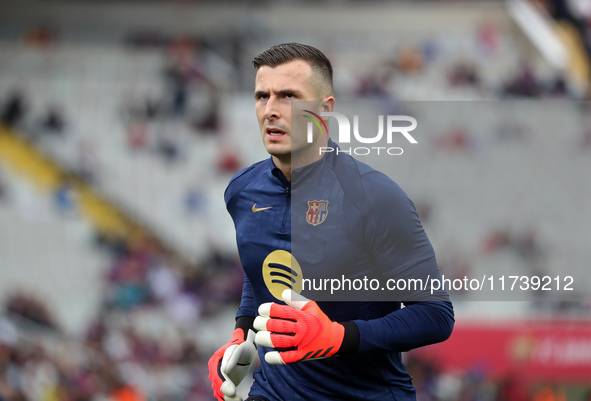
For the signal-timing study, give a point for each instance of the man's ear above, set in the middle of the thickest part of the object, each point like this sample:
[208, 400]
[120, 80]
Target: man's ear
[327, 104]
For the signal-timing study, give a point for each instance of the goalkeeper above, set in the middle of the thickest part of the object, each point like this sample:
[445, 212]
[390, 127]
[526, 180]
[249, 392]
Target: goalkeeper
[354, 216]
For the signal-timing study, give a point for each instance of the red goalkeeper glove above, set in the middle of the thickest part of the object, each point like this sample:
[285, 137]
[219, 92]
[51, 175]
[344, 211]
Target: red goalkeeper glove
[229, 365]
[300, 331]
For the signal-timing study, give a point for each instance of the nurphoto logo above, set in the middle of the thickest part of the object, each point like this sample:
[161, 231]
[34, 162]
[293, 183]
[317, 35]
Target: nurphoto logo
[344, 136]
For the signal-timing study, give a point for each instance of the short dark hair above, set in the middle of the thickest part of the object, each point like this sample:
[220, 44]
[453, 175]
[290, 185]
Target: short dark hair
[286, 52]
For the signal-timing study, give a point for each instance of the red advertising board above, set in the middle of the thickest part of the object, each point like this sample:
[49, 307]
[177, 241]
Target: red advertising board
[556, 351]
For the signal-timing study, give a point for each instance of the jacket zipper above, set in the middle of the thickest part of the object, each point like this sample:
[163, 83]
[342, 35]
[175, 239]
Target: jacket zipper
[287, 209]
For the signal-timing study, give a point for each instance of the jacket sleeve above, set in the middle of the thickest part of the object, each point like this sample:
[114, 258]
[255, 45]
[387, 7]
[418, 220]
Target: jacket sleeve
[414, 326]
[247, 304]
[401, 251]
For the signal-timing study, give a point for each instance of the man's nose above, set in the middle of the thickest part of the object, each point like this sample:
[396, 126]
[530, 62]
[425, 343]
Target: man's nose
[272, 109]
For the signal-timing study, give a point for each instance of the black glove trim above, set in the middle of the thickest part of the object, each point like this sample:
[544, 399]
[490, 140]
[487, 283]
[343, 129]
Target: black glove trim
[245, 323]
[351, 339]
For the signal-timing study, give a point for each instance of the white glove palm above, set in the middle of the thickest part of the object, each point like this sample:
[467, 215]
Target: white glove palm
[236, 363]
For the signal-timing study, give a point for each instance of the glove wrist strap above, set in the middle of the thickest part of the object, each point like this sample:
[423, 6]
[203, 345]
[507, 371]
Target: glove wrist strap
[245, 323]
[350, 343]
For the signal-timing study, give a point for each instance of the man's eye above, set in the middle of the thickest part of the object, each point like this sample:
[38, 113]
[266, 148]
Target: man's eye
[290, 96]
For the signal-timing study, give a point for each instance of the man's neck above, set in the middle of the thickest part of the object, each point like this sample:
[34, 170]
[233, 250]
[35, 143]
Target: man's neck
[288, 163]
[283, 164]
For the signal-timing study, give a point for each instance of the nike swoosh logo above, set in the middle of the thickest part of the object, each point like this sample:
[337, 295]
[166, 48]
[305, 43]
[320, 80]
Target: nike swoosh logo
[258, 209]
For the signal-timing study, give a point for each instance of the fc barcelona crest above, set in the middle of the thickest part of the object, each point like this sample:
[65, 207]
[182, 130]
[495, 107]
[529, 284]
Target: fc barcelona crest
[317, 212]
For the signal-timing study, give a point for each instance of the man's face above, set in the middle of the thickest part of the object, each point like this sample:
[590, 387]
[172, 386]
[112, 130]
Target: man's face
[275, 89]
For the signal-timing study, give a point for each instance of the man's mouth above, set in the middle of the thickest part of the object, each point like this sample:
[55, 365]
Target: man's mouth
[271, 131]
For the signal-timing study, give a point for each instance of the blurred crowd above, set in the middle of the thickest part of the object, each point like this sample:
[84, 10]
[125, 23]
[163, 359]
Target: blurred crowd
[108, 365]
[114, 361]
